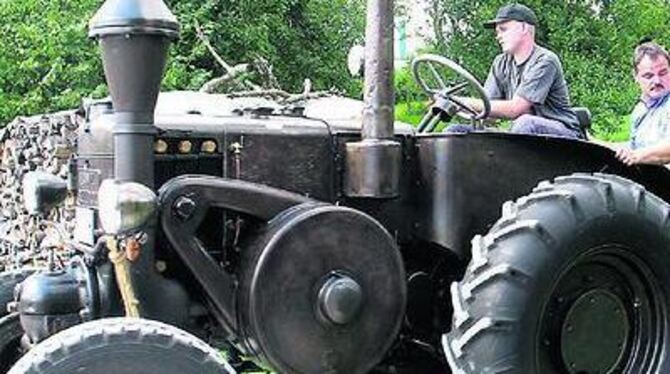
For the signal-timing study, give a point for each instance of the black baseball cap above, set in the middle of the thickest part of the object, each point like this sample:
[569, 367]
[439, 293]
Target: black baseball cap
[513, 12]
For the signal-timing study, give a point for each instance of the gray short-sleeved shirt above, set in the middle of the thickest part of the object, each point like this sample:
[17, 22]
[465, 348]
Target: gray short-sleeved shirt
[539, 80]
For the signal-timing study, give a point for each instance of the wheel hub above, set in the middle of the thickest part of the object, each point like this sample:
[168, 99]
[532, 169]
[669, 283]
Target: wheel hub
[340, 299]
[594, 333]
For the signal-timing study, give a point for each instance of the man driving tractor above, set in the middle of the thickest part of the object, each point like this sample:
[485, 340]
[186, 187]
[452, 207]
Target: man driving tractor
[526, 83]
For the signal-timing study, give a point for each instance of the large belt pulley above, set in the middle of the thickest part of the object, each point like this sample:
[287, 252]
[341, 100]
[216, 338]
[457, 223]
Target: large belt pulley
[323, 290]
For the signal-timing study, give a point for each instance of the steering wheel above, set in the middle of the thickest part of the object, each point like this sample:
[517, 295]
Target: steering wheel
[446, 97]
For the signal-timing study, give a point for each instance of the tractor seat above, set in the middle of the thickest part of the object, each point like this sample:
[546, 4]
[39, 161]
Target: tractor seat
[584, 119]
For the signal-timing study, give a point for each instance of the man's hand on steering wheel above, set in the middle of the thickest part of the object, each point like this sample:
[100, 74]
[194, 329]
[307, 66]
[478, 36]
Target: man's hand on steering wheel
[446, 101]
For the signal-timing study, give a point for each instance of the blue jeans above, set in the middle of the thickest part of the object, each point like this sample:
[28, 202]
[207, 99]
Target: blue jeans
[529, 124]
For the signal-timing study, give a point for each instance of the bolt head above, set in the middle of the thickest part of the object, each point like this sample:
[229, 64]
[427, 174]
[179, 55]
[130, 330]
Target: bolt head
[184, 207]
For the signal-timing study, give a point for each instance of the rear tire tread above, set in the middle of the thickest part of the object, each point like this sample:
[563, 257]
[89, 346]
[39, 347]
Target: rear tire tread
[476, 322]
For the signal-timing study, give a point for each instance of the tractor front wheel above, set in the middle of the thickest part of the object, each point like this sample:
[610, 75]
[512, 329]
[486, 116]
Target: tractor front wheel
[10, 341]
[122, 346]
[8, 281]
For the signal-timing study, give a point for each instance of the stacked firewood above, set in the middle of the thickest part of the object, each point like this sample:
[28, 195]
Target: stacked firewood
[39, 143]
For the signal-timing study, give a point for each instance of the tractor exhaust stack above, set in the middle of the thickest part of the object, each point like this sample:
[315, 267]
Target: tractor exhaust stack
[373, 164]
[135, 36]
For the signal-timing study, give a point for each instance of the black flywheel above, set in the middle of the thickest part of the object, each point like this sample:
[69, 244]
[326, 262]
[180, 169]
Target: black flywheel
[323, 291]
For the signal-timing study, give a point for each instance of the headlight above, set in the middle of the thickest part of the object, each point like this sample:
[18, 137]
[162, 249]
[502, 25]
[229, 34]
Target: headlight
[124, 206]
[43, 191]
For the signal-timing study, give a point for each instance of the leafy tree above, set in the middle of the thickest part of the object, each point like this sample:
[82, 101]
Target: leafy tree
[48, 63]
[46, 60]
[300, 38]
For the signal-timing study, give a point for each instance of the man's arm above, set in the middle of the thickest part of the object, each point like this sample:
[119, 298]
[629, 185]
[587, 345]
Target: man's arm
[500, 108]
[534, 89]
[658, 154]
[507, 109]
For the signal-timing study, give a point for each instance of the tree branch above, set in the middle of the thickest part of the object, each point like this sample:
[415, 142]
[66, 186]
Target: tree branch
[256, 93]
[205, 40]
[308, 96]
[233, 74]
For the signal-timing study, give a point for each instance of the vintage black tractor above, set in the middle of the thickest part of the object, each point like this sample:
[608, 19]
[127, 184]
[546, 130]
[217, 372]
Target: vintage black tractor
[317, 245]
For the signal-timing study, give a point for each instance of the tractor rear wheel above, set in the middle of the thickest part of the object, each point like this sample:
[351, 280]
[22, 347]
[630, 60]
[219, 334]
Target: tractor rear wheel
[122, 346]
[574, 278]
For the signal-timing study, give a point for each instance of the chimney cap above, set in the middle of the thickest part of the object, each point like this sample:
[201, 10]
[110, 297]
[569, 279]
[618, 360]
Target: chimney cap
[135, 17]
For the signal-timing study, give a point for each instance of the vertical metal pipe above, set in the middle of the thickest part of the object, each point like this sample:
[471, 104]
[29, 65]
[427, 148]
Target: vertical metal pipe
[133, 152]
[135, 36]
[379, 97]
[373, 164]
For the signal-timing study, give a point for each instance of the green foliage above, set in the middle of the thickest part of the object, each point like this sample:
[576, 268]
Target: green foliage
[46, 60]
[48, 64]
[594, 38]
[300, 38]
[406, 88]
[410, 112]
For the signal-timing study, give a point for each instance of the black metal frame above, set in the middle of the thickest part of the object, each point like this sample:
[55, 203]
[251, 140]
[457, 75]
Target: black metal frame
[464, 179]
[184, 203]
